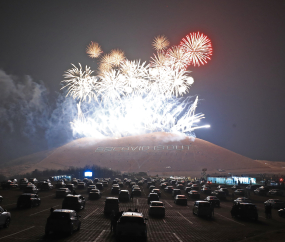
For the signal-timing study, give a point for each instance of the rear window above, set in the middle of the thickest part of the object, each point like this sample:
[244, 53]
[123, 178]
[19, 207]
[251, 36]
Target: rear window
[137, 220]
[204, 205]
[71, 199]
[156, 204]
[60, 216]
[112, 201]
[25, 197]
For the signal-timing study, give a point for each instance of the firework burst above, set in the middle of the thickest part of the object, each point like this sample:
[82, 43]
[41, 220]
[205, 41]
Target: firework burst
[130, 97]
[94, 50]
[160, 43]
[198, 48]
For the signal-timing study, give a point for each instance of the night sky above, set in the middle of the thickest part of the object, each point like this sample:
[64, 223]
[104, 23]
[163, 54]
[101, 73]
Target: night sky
[241, 88]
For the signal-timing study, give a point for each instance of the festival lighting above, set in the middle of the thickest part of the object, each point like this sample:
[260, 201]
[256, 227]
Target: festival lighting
[130, 98]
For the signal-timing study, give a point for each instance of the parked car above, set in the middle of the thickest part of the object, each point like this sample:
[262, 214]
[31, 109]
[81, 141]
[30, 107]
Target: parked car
[99, 185]
[252, 187]
[214, 200]
[275, 192]
[105, 183]
[234, 187]
[206, 190]
[202, 208]
[151, 187]
[168, 189]
[281, 212]
[60, 184]
[194, 194]
[62, 192]
[94, 194]
[275, 203]
[1, 199]
[90, 187]
[152, 197]
[219, 194]
[163, 185]
[176, 192]
[180, 199]
[45, 186]
[124, 196]
[62, 220]
[156, 208]
[180, 186]
[5, 218]
[73, 202]
[9, 184]
[111, 203]
[239, 192]
[187, 189]
[31, 189]
[131, 224]
[33, 180]
[136, 191]
[28, 200]
[245, 210]
[195, 187]
[115, 189]
[260, 191]
[242, 200]
[225, 190]
[81, 185]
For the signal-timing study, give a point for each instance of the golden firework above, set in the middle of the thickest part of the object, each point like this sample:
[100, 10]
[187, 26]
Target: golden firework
[117, 57]
[94, 50]
[160, 42]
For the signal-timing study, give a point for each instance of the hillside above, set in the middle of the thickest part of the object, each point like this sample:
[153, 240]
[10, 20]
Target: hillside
[155, 153]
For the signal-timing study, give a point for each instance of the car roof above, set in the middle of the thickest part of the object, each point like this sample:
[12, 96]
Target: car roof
[132, 214]
[110, 198]
[63, 211]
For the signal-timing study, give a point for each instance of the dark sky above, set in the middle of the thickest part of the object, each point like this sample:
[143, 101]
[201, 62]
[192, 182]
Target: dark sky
[242, 86]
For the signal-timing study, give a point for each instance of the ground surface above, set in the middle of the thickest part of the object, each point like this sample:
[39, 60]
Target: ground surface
[178, 225]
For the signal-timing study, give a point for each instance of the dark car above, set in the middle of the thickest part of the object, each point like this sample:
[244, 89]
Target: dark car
[176, 192]
[168, 189]
[275, 192]
[194, 194]
[187, 189]
[124, 196]
[242, 200]
[163, 185]
[94, 194]
[219, 194]
[33, 180]
[275, 203]
[31, 189]
[260, 191]
[45, 186]
[281, 212]
[156, 208]
[152, 197]
[225, 190]
[195, 187]
[202, 208]
[239, 192]
[111, 204]
[180, 199]
[28, 200]
[81, 185]
[71, 187]
[5, 218]
[151, 187]
[213, 200]
[1, 199]
[60, 184]
[73, 202]
[245, 210]
[99, 185]
[131, 224]
[90, 187]
[62, 192]
[115, 189]
[156, 191]
[62, 220]
[206, 190]
[136, 191]
[9, 184]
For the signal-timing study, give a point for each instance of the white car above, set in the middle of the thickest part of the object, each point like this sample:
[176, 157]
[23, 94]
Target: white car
[5, 218]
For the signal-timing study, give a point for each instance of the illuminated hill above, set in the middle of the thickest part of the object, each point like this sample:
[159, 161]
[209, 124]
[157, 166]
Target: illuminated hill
[155, 153]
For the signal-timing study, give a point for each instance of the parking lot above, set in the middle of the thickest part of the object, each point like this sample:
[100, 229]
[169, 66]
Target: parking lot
[179, 223]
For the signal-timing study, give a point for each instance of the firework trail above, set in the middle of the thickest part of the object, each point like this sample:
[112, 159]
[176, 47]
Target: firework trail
[130, 97]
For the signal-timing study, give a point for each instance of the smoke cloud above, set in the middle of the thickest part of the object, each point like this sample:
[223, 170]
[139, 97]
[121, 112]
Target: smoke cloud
[30, 121]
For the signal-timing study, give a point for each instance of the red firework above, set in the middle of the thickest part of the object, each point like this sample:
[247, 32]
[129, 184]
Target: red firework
[198, 48]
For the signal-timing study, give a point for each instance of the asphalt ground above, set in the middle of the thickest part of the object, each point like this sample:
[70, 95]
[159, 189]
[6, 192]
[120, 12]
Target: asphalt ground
[178, 225]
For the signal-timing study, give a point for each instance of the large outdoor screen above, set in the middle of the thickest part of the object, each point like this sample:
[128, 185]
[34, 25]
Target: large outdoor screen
[88, 173]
